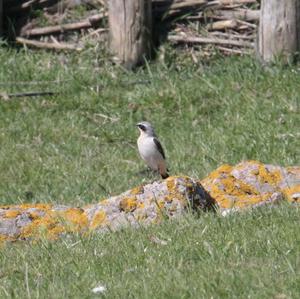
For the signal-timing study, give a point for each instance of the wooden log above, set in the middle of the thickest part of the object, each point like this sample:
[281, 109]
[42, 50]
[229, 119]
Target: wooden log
[233, 51]
[45, 45]
[169, 9]
[242, 14]
[232, 2]
[180, 5]
[90, 22]
[279, 30]
[234, 36]
[130, 31]
[1, 17]
[206, 40]
[222, 25]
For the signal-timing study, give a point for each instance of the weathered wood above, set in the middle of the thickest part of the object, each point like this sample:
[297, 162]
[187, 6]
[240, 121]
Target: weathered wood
[233, 51]
[222, 25]
[1, 17]
[6, 96]
[207, 40]
[45, 45]
[243, 14]
[279, 29]
[130, 31]
[231, 36]
[90, 22]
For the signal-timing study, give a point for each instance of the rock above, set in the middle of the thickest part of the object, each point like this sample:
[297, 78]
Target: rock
[231, 188]
[9, 228]
[142, 205]
[252, 184]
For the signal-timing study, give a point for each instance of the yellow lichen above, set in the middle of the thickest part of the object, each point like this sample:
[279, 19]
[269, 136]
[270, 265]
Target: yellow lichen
[230, 192]
[104, 202]
[98, 220]
[160, 204]
[12, 213]
[294, 170]
[75, 218]
[222, 169]
[271, 177]
[40, 206]
[170, 181]
[128, 204]
[34, 215]
[140, 205]
[173, 192]
[290, 193]
[137, 190]
[5, 238]
[47, 226]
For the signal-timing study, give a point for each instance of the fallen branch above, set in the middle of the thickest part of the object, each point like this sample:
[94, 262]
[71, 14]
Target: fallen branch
[231, 2]
[232, 35]
[247, 24]
[233, 51]
[206, 40]
[180, 5]
[45, 45]
[6, 96]
[169, 9]
[222, 25]
[242, 14]
[90, 22]
[96, 32]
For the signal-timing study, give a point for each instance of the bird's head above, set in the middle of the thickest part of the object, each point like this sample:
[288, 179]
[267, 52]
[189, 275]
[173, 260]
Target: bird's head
[145, 128]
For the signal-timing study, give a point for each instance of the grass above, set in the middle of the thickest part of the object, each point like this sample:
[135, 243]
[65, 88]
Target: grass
[250, 255]
[79, 146]
[63, 149]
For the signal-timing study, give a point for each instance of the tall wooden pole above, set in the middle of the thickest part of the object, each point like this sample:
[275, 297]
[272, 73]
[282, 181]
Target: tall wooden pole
[279, 29]
[1, 17]
[130, 31]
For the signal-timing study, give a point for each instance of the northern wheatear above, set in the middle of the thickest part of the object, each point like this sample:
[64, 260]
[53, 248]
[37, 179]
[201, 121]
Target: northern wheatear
[151, 149]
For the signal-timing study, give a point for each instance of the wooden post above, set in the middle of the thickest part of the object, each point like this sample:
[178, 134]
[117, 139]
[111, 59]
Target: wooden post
[130, 31]
[1, 17]
[279, 29]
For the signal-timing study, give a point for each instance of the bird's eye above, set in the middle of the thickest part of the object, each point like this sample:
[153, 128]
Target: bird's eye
[142, 127]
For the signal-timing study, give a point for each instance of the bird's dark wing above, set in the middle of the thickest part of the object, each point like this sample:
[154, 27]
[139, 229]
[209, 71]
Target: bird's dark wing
[159, 147]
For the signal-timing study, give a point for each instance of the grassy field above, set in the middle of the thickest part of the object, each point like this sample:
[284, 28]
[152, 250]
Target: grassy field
[79, 146]
[252, 255]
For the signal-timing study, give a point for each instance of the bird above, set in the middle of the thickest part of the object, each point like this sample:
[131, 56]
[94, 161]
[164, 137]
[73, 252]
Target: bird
[151, 150]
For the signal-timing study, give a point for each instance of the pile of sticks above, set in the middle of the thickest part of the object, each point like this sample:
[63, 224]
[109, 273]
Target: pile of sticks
[228, 25]
[62, 31]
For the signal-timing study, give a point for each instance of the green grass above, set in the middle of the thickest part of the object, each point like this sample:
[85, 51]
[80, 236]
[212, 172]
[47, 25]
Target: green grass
[79, 146]
[62, 149]
[249, 255]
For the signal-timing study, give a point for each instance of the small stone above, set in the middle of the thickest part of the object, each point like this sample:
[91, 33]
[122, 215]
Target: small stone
[100, 289]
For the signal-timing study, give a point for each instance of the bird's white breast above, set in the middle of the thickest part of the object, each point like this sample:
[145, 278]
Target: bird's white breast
[149, 152]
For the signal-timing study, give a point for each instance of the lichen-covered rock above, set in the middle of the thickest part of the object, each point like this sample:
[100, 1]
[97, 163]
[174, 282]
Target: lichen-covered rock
[139, 206]
[248, 184]
[252, 183]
